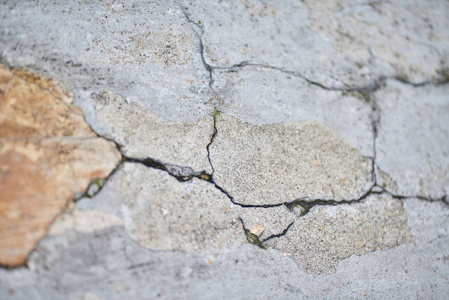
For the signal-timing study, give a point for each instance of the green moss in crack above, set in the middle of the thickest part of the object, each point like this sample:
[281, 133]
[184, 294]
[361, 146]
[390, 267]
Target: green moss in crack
[443, 75]
[357, 94]
[93, 189]
[253, 239]
[300, 209]
[97, 184]
[216, 113]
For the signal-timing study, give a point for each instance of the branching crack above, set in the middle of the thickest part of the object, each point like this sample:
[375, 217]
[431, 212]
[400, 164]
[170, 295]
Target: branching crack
[199, 35]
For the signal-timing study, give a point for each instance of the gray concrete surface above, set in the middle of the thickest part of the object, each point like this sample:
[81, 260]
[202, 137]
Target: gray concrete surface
[411, 145]
[283, 162]
[321, 128]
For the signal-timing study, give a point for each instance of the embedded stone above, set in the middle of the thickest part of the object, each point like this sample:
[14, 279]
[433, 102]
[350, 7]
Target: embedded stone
[48, 155]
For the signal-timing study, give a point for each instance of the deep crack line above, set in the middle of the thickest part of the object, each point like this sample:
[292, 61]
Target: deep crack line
[375, 116]
[275, 236]
[303, 201]
[208, 67]
[188, 18]
[363, 89]
[155, 164]
[212, 138]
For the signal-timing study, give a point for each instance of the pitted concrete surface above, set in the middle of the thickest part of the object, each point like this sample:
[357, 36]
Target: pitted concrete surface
[282, 150]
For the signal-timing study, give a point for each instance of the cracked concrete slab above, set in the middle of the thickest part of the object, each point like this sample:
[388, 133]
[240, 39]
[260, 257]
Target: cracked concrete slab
[272, 164]
[364, 85]
[146, 52]
[413, 139]
[163, 214]
[141, 133]
[110, 265]
[328, 234]
[329, 42]
[262, 96]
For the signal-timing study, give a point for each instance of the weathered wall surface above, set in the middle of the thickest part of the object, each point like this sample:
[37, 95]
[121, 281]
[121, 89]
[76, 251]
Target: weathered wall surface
[228, 150]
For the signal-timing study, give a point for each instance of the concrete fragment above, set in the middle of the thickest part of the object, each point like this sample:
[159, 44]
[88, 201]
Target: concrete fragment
[48, 154]
[332, 42]
[265, 96]
[143, 134]
[413, 140]
[279, 163]
[162, 213]
[328, 234]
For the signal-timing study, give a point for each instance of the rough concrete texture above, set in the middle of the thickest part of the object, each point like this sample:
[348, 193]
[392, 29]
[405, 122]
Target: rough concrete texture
[83, 221]
[109, 265]
[279, 163]
[363, 83]
[261, 96]
[328, 234]
[48, 155]
[141, 134]
[264, 223]
[331, 42]
[147, 52]
[413, 141]
[164, 214]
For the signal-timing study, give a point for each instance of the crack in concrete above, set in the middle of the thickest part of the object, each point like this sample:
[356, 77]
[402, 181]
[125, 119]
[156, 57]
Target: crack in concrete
[442, 80]
[252, 238]
[212, 138]
[208, 67]
[363, 89]
[275, 236]
[305, 203]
